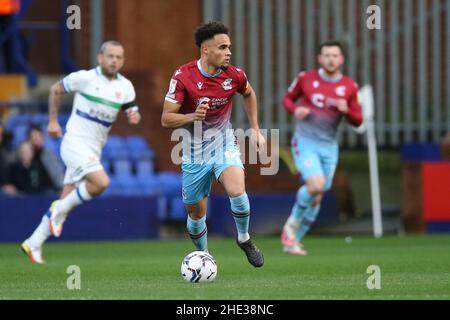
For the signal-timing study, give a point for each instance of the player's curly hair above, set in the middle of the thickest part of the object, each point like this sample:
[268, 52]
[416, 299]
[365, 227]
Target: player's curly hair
[208, 31]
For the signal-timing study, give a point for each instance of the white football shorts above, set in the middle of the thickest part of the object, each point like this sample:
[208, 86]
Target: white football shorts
[81, 157]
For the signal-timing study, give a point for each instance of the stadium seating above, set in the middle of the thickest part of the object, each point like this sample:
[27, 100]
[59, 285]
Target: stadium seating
[114, 188]
[129, 185]
[150, 184]
[171, 184]
[144, 168]
[107, 166]
[14, 121]
[115, 148]
[129, 162]
[19, 134]
[122, 168]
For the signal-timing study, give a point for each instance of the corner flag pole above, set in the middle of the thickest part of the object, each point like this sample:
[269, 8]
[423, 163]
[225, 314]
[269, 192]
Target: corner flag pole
[367, 102]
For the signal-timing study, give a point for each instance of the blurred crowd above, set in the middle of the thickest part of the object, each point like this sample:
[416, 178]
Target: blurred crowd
[29, 168]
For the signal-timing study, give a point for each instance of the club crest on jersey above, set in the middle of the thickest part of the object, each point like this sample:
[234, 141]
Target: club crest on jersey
[227, 84]
[199, 85]
[316, 84]
[118, 94]
[340, 91]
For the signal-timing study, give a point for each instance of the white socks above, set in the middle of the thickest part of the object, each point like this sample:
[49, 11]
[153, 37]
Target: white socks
[242, 237]
[41, 233]
[291, 226]
[73, 199]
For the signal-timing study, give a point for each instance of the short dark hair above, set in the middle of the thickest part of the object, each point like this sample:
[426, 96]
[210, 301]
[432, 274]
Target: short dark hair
[332, 43]
[208, 30]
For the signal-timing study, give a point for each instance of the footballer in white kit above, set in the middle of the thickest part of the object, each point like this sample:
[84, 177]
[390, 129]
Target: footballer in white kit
[100, 94]
[96, 105]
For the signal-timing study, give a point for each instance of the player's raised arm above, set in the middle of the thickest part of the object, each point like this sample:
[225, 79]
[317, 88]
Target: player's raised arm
[54, 101]
[172, 119]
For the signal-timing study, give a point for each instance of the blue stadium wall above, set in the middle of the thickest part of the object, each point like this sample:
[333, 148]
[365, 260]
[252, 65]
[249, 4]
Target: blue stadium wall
[138, 218]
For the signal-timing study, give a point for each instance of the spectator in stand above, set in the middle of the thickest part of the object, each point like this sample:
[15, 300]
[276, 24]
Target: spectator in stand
[45, 159]
[26, 175]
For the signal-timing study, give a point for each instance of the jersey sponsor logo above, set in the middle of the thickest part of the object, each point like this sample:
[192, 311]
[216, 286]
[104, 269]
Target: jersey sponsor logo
[218, 102]
[340, 91]
[203, 100]
[102, 115]
[227, 84]
[199, 85]
[316, 84]
[213, 103]
[318, 100]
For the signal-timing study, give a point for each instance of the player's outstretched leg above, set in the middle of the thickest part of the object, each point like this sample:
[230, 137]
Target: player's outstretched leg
[288, 235]
[94, 184]
[61, 208]
[52, 222]
[54, 218]
[308, 220]
[240, 208]
[32, 246]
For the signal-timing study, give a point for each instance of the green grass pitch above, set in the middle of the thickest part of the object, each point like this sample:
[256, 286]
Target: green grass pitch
[412, 267]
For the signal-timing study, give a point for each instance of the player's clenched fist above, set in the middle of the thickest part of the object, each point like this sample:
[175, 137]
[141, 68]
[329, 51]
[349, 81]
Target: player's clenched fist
[54, 129]
[342, 105]
[258, 140]
[200, 112]
[134, 117]
[301, 112]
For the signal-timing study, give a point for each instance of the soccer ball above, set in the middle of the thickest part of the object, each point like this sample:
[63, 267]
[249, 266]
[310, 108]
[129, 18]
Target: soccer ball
[199, 266]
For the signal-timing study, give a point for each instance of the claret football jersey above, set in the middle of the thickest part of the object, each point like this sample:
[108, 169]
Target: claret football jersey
[190, 86]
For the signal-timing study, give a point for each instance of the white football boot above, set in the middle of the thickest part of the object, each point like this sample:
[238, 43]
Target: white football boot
[34, 254]
[295, 249]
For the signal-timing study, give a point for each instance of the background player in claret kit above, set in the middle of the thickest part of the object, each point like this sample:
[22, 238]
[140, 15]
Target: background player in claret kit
[324, 95]
[100, 94]
[201, 91]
